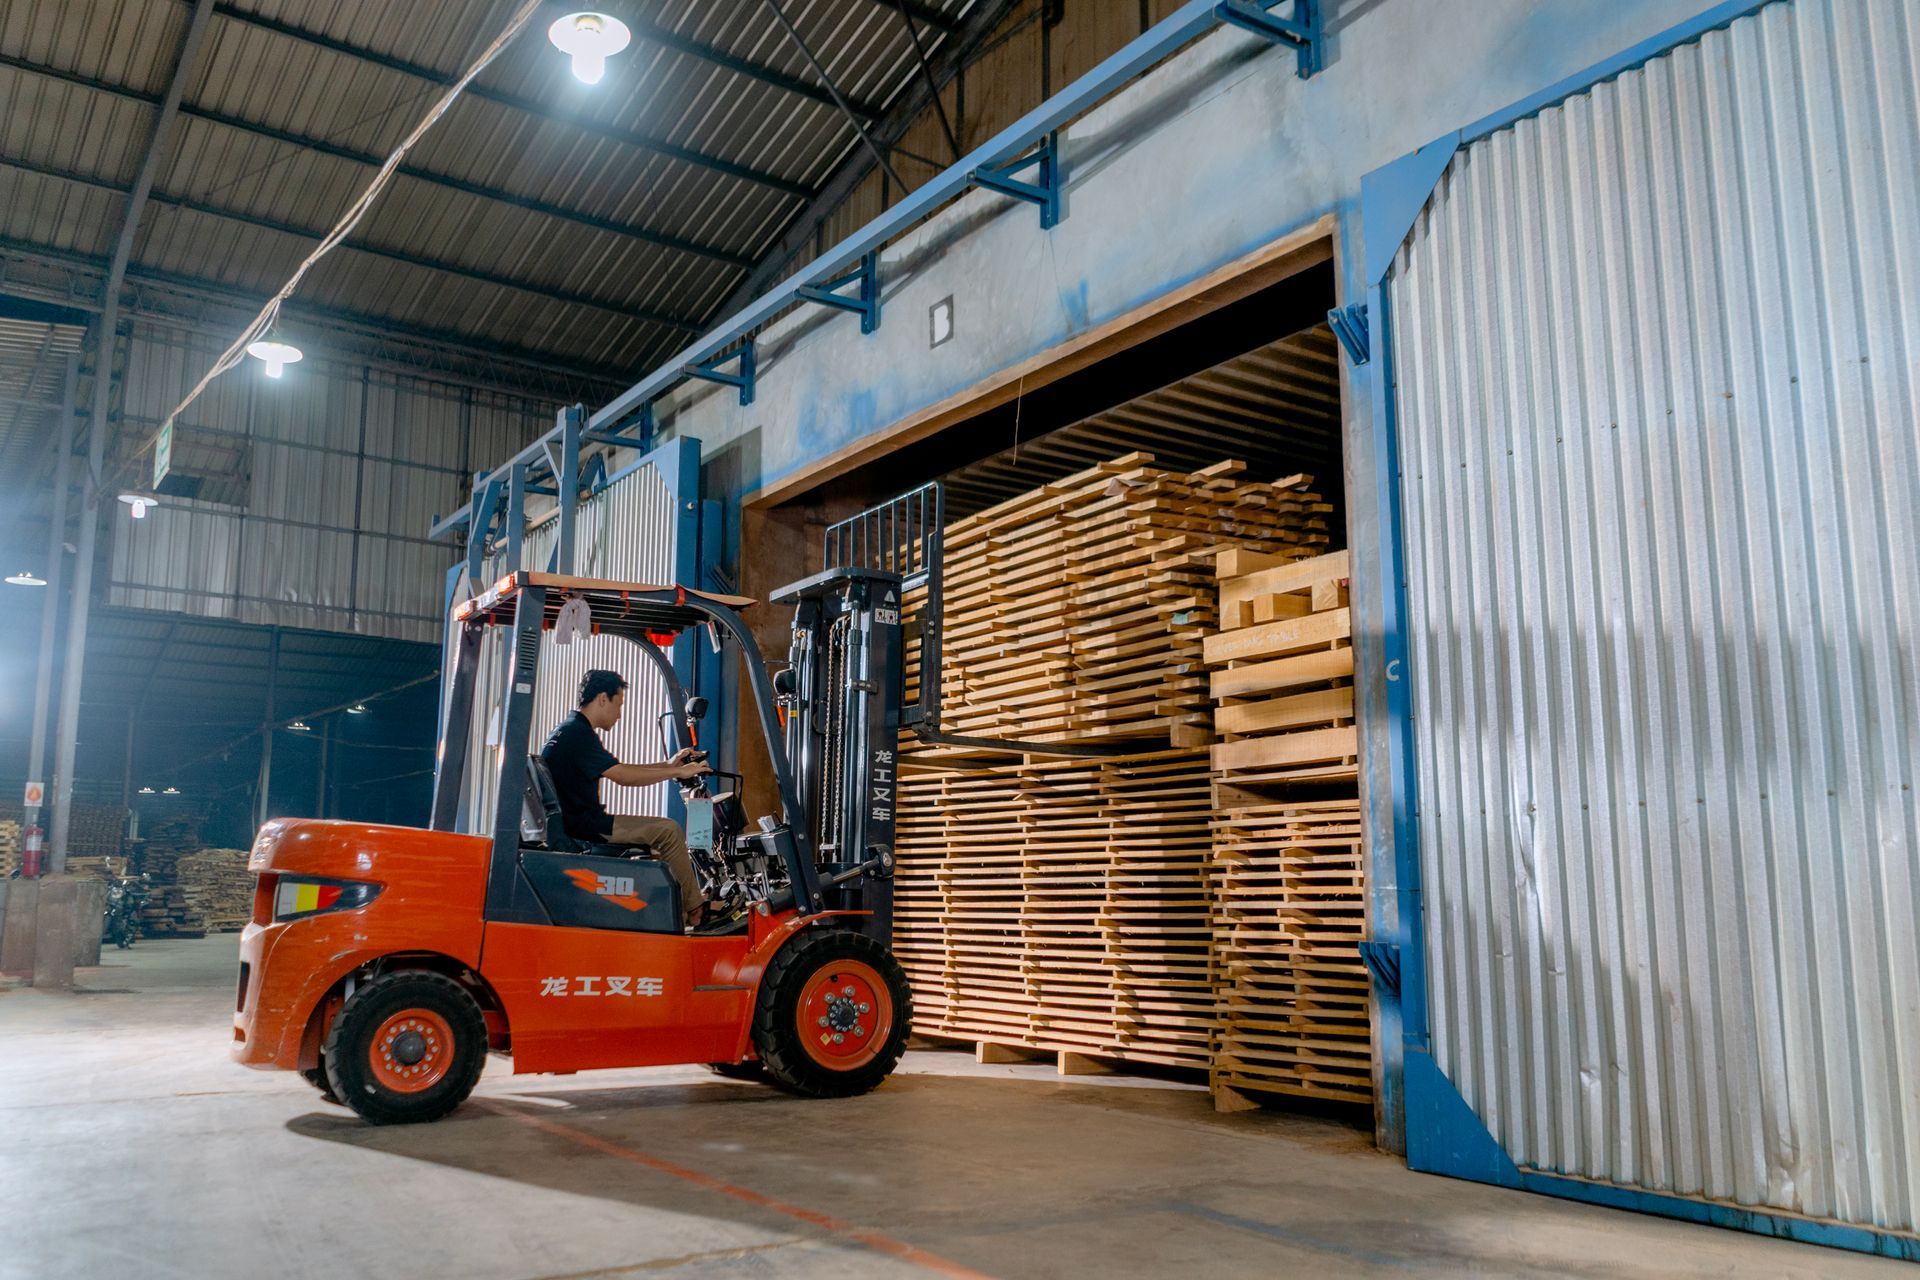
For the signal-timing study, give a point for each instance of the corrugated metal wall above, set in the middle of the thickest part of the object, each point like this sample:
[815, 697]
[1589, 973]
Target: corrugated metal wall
[626, 533]
[315, 491]
[1658, 374]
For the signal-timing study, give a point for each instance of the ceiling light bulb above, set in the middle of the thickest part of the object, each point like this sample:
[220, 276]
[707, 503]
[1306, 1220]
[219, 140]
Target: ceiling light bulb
[146, 791]
[171, 791]
[276, 355]
[589, 39]
[139, 502]
[357, 709]
[26, 578]
[300, 726]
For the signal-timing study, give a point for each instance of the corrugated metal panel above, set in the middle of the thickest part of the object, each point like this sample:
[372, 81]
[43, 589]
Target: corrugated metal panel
[625, 533]
[328, 450]
[1656, 361]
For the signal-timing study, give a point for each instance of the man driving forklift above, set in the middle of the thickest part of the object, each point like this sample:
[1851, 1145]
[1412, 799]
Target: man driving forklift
[577, 760]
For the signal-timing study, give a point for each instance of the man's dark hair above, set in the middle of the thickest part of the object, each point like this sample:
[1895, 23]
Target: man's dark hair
[595, 683]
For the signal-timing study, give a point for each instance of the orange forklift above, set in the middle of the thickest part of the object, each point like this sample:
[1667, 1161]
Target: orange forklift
[383, 963]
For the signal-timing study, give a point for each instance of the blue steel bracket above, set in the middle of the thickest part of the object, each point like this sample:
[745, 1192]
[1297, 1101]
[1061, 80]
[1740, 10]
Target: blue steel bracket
[1301, 29]
[865, 301]
[1349, 324]
[1383, 962]
[710, 369]
[1044, 190]
[635, 434]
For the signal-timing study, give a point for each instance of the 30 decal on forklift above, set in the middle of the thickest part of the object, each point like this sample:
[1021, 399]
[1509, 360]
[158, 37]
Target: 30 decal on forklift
[614, 986]
[621, 891]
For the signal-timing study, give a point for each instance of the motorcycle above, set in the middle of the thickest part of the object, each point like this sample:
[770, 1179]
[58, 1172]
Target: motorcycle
[121, 925]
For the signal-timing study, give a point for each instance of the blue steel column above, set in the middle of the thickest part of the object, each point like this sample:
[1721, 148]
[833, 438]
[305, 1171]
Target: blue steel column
[567, 485]
[678, 462]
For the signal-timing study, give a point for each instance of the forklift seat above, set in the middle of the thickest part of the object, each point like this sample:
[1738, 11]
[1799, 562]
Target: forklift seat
[585, 885]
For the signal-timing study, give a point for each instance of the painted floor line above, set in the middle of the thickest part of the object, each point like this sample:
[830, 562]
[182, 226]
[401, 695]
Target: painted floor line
[873, 1240]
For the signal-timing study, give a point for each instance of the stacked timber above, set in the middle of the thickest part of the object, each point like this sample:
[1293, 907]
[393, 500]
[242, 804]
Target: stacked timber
[1290, 880]
[218, 888]
[1290, 911]
[96, 831]
[1079, 610]
[1060, 905]
[1283, 679]
[167, 914]
[1065, 905]
[167, 911]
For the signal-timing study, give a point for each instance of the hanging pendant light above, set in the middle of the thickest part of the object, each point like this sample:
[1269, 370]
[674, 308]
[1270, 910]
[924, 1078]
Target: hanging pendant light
[275, 354]
[589, 39]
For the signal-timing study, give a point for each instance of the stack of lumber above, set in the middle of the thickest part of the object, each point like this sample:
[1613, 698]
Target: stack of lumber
[218, 888]
[95, 831]
[1283, 678]
[11, 844]
[1290, 880]
[1078, 610]
[167, 914]
[1060, 905]
[167, 911]
[1290, 911]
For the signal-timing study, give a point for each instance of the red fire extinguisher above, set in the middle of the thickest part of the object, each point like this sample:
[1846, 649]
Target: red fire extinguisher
[30, 861]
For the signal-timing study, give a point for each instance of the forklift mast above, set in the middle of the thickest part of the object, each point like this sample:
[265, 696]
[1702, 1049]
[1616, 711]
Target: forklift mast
[842, 693]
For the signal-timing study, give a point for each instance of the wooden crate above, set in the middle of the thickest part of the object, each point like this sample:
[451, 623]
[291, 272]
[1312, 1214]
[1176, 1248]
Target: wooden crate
[1290, 911]
[1061, 906]
[1078, 610]
[1282, 683]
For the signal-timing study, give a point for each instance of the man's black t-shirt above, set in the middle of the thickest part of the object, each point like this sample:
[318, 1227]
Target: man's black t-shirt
[576, 760]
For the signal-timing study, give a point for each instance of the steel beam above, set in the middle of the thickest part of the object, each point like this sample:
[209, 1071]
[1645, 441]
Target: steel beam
[649, 32]
[183, 66]
[1190, 21]
[359, 244]
[322, 146]
[806, 51]
[1010, 145]
[445, 343]
[945, 63]
[56, 576]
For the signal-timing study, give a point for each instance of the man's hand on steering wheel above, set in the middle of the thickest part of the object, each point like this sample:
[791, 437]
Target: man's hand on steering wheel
[688, 762]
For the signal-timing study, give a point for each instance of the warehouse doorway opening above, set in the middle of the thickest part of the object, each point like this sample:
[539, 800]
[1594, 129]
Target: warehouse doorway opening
[1144, 544]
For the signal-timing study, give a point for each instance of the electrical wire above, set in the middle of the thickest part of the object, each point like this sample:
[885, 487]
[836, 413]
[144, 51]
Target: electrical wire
[264, 322]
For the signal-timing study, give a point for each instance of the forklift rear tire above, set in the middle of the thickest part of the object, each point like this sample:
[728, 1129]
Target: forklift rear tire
[407, 1047]
[833, 1015]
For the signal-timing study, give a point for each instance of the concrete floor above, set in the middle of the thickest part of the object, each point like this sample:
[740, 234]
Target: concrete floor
[130, 1146]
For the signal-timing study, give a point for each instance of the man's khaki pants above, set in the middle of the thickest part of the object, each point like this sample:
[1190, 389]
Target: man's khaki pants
[669, 845]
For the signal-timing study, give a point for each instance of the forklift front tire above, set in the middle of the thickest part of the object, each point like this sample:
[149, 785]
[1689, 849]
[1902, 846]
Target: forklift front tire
[406, 1048]
[833, 1014]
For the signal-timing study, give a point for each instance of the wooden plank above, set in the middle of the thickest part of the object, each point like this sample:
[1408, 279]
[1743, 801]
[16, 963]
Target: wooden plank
[1275, 639]
[1318, 707]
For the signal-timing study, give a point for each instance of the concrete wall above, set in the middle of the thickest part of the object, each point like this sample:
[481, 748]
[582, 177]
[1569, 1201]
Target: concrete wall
[1218, 152]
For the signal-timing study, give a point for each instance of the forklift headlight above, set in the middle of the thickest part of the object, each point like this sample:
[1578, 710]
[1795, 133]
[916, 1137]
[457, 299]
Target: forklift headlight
[294, 898]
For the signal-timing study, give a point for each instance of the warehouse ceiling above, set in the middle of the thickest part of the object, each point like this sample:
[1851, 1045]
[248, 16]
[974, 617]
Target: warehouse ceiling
[596, 228]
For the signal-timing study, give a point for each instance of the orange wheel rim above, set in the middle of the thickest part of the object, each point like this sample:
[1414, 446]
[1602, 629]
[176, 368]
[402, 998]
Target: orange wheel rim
[845, 1014]
[411, 1051]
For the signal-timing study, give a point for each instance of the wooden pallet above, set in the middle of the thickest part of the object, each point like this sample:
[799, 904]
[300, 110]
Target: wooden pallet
[1060, 906]
[1283, 679]
[1078, 610]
